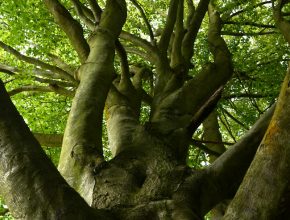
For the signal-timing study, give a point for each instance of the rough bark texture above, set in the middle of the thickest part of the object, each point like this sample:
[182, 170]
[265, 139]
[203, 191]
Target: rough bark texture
[148, 177]
[82, 144]
[30, 183]
[268, 175]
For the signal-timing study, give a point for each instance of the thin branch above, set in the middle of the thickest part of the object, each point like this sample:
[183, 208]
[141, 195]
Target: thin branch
[138, 41]
[54, 82]
[249, 23]
[194, 26]
[227, 127]
[143, 15]
[250, 8]
[234, 119]
[36, 62]
[70, 26]
[96, 9]
[143, 54]
[62, 64]
[239, 34]
[176, 54]
[79, 9]
[125, 72]
[10, 70]
[212, 142]
[204, 148]
[52, 88]
[244, 95]
[169, 25]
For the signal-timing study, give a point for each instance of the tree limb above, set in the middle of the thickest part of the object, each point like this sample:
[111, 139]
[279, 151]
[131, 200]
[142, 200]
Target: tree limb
[190, 36]
[168, 29]
[137, 41]
[250, 8]
[241, 34]
[82, 149]
[176, 53]
[26, 171]
[220, 180]
[79, 9]
[147, 23]
[97, 11]
[37, 62]
[10, 70]
[282, 24]
[249, 23]
[33, 88]
[62, 64]
[70, 26]
[49, 140]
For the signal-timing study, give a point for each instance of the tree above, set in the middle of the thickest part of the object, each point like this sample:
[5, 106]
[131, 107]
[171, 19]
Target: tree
[189, 64]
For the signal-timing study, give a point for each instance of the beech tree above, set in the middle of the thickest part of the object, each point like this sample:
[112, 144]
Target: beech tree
[165, 82]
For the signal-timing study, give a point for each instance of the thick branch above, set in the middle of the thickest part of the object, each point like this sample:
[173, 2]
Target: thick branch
[228, 170]
[26, 171]
[282, 24]
[97, 11]
[10, 70]
[79, 9]
[264, 192]
[49, 140]
[70, 26]
[82, 145]
[202, 190]
[168, 29]
[195, 23]
[212, 133]
[176, 54]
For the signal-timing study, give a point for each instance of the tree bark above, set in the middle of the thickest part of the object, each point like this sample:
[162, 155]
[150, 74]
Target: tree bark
[266, 184]
[30, 184]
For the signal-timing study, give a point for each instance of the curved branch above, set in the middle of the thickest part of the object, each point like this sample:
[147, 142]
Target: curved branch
[194, 25]
[142, 12]
[70, 26]
[26, 171]
[62, 64]
[176, 54]
[36, 62]
[282, 24]
[96, 9]
[125, 72]
[79, 9]
[34, 88]
[220, 180]
[169, 25]
[250, 8]
[10, 70]
[140, 42]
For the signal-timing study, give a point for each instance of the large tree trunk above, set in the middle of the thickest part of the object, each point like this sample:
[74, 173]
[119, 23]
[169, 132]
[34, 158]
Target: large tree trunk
[148, 177]
[264, 193]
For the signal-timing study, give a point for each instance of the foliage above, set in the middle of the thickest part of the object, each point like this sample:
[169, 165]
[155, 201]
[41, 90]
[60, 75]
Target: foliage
[259, 56]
